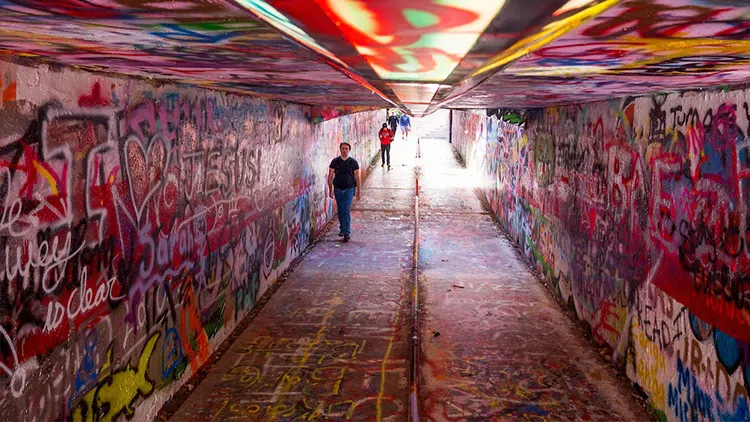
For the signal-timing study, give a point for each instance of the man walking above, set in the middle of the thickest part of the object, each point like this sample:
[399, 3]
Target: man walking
[386, 137]
[405, 124]
[343, 180]
[393, 122]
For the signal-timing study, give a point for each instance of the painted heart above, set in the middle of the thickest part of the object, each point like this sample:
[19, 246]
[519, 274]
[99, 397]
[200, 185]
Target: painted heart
[145, 170]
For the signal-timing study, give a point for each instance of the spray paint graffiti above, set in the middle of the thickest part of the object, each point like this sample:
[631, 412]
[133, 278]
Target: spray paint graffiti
[118, 391]
[636, 211]
[139, 225]
[182, 42]
[633, 47]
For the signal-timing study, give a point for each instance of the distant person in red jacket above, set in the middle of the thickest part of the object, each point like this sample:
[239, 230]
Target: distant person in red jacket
[386, 137]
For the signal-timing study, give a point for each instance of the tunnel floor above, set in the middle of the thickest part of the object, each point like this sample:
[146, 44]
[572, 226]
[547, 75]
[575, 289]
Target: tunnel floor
[332, 343]
[495, 344]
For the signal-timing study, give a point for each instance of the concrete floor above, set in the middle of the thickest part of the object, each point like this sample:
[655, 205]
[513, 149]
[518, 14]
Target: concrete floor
[332, 342]
[495, 345]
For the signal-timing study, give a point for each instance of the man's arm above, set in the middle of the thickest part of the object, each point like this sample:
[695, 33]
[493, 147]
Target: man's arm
[330, 182]
[359, 184]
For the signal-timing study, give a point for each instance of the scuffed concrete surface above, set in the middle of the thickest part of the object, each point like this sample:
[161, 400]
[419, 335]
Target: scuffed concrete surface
[495, 345]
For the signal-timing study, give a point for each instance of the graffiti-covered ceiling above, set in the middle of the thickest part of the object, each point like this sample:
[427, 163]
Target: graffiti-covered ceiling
[211, 43]
[630, 47]
[418, 54]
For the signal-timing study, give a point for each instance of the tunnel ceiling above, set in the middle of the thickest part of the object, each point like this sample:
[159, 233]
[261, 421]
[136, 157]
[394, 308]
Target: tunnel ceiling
[632, 47]
[417, 54]
[216, 44]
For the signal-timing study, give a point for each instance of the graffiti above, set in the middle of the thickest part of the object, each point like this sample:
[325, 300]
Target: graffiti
[636, 213]
[516, 117]
[320, 114]
[172, 355]
[652, 20]
[174, 41]
[8, 86]
[119, 390]
[17, 375]
[401, 43]
[686, 399]
[649, 363]
[310, 377]
[634, 47]
[137, 216]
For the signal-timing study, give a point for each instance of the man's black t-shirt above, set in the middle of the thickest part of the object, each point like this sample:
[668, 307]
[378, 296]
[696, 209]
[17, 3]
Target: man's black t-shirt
[393, 122]
[343, 171]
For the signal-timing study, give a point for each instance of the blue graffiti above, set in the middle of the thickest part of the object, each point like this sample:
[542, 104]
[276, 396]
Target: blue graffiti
[563, 62]
[701, 330]
[740, 413]
[171, 353]
[87, 372]
[696, 405]
[731, 353]
[181, 34]
[728, 350]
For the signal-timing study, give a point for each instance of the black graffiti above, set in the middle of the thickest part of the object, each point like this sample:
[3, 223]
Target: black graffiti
[571, 157]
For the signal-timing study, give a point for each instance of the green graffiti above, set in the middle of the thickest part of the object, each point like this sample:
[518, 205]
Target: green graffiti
[513, 117]
[117, 392]
[420, 18]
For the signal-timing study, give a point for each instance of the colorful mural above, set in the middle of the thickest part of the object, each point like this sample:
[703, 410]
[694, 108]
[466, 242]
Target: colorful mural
[437, 40]
[349, 52]
[139, 225]
[632, 47]
[416, 41]
[213, 44]
[323, 113]
[636, 212]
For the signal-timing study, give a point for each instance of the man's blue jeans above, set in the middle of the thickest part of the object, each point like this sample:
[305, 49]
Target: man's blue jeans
[344, 199]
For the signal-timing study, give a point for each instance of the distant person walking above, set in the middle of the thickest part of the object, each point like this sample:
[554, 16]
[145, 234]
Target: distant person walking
[393, 121]
[405, 124]
[343, 180]
[386, 137]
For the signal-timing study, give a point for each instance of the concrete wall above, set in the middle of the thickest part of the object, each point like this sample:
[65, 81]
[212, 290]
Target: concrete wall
[636, 212]
[139, 225]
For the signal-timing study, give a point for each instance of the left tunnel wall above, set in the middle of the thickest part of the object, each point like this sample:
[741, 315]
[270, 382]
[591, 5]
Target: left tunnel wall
[139, 225]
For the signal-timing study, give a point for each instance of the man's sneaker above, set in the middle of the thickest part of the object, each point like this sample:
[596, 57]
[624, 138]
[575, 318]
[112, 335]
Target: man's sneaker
[389, 167]
[382, 165]
[346, 238]
[341, 233]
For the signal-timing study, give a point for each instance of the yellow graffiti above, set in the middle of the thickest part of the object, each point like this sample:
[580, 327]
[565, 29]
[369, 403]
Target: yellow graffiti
[290, 379]
[117, 392]
[548, 34]
[669, 49]
[649, 363]
[322, 375]
[349, 405]
[51, 180]
[85, 411]
[655, 51]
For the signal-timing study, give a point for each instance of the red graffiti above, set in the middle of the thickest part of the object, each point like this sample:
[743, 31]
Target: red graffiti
[94, 99]
[649, 19]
